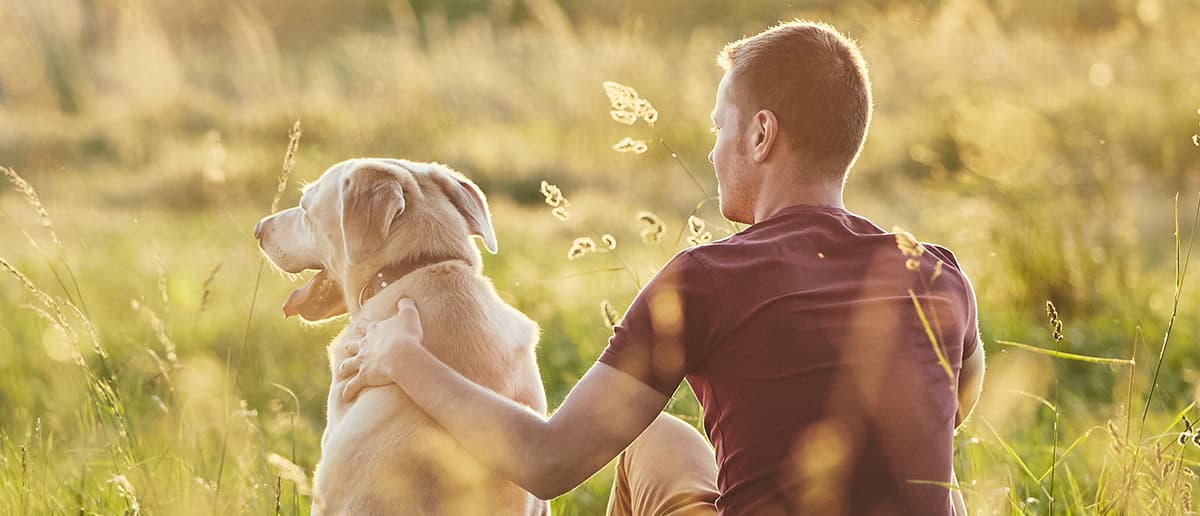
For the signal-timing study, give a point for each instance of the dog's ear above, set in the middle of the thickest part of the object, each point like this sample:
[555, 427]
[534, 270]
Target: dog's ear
[471, 203]
[371, 200]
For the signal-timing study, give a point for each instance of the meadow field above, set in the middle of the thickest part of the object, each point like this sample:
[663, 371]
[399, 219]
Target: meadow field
[146, 367]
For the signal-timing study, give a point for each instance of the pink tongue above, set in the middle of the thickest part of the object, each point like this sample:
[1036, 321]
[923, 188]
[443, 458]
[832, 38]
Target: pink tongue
[300, 295]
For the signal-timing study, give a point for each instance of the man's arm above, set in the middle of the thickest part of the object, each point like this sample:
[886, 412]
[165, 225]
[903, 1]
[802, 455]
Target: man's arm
[601, 415]
[970, 384]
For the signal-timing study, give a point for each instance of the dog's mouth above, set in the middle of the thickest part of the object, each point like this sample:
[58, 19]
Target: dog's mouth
[318, 299]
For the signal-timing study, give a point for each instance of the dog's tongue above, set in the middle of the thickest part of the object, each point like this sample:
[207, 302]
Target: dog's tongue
[301, 295]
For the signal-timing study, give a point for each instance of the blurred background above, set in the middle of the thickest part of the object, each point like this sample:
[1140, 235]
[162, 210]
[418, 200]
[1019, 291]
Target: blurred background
[1044, 142]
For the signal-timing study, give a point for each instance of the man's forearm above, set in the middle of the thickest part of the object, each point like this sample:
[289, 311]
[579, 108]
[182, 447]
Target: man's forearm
[506, 436]
[601, 415]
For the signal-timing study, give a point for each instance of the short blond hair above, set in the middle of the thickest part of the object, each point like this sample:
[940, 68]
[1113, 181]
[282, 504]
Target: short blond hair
[815, 80]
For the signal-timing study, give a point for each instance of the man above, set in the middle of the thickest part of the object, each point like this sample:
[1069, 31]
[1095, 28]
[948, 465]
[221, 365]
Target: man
[832, 359]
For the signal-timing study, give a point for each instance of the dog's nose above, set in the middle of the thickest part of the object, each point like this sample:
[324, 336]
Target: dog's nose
[258, 230]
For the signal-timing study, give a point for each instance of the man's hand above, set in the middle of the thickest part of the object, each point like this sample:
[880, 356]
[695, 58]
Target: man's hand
[373, 358]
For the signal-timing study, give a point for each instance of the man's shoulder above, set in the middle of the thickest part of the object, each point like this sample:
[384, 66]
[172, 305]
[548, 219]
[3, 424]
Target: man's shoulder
[691, 271]
[688, 263]
[942, 253]
[948, 259]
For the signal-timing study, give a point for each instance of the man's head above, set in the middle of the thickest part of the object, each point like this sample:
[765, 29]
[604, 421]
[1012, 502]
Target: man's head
[796, 95]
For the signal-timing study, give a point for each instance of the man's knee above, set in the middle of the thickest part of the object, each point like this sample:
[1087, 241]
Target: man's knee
[666, 433]
[671, 455]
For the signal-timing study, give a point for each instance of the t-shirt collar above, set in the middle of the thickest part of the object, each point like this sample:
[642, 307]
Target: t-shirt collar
[798, 209]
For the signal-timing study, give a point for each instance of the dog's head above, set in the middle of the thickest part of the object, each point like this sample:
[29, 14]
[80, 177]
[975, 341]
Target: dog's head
[365, 214]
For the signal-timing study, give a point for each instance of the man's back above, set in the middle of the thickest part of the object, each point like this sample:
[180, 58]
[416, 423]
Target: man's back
[821, 389]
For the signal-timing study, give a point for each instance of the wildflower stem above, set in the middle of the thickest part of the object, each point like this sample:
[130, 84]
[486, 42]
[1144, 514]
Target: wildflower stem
[1054, 446]
[632, 275]
[289, 163]
[1180, 275]
[296, 401]
[237, 370]
[1079, 440]
[937, 350]
[1011, 452]
[688, 171]
[1067, 356]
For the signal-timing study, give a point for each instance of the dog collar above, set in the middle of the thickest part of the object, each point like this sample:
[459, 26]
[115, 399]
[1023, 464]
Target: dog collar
[392, 273]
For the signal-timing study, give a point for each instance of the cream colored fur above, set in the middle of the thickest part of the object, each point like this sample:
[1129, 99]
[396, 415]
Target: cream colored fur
[380, 454]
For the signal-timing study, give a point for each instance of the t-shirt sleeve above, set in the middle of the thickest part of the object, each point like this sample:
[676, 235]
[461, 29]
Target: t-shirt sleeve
[661, 336]
[971, 324]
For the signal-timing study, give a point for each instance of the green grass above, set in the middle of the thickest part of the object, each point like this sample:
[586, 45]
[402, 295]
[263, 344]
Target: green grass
[1044, 145]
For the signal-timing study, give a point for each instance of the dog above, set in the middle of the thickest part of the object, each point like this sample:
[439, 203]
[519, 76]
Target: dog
[377, 230]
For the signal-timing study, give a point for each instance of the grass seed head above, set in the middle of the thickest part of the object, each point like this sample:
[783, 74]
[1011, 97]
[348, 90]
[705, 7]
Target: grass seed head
[289, 164]
[696, 226]
[37, 293]
[609, 314]
[207, 288]
[290, 471]
[556, 200]
[34, 201]
[908, 244]
[624, 117]
[620, 93]
[580, 247]
[627, 106]
[125, 491]
[654, 228]
[1055, 323]
[628, 144]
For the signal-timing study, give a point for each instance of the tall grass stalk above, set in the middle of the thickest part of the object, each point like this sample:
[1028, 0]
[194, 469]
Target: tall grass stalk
[292, 435]
[1054, 446]
[733, 227]
[1066, 356]
[43, 215]
[1180, 276]
[289, 163]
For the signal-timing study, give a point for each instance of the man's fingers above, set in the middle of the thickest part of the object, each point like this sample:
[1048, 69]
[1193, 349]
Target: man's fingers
[349, 367]
[352, 346]
[410, 319]
[350, 391]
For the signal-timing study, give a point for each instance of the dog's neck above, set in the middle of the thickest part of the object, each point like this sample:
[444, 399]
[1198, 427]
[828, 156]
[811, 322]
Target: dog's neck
[391, 273]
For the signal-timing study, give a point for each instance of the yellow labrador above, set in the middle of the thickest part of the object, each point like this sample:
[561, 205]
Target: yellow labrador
[378, 230]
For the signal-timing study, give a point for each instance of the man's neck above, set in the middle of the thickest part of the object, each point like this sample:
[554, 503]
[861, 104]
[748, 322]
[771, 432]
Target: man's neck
[775, 197]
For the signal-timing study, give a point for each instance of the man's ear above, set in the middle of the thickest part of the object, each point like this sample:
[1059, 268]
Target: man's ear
[764, 128]
[371, 201]
[471, 203]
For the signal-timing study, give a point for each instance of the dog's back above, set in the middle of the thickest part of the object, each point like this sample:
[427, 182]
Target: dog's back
[382, 454]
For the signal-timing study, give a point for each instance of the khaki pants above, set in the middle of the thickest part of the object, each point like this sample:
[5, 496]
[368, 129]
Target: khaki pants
[671, 470]
[668, 470]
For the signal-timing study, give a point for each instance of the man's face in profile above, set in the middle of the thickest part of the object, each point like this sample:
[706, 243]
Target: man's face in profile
[728, 157]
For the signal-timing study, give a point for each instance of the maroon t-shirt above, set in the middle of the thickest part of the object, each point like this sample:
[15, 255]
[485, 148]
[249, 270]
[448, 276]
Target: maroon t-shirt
[822, 390]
